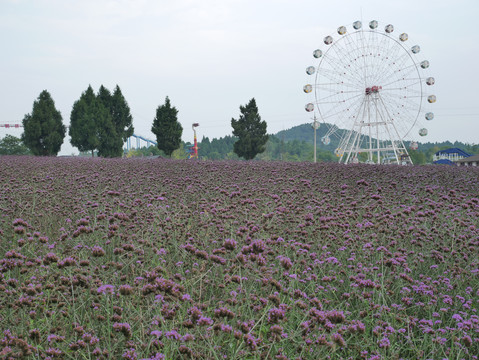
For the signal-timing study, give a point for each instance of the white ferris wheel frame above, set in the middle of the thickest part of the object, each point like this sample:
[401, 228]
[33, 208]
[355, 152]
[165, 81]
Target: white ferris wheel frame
[370, 84]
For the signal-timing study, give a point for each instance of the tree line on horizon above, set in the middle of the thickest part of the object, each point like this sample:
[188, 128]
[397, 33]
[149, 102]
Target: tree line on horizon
[295, 144]
[102, 123]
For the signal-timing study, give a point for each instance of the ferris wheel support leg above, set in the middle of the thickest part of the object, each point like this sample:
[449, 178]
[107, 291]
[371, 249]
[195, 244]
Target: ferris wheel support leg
[378, 144]
[371, 145]
[402, 144]
[347, 148]
[343, 145]
[397, 136]
[353, 144]
[370, 153]
[393, 143]
[357, 142]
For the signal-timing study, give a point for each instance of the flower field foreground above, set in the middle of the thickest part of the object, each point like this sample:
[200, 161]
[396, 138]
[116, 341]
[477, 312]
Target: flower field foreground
[160, 259]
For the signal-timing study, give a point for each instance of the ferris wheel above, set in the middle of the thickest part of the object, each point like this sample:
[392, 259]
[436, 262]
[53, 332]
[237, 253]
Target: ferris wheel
[372, 91]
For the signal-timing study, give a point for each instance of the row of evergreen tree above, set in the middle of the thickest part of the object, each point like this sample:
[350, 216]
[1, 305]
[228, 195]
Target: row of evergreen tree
[102, 123]
[98, 122]
[248, 140]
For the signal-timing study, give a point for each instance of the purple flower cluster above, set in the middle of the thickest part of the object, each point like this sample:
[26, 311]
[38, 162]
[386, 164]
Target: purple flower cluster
[160, 259]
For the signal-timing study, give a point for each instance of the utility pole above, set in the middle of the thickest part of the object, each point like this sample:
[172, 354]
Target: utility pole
[315, 126]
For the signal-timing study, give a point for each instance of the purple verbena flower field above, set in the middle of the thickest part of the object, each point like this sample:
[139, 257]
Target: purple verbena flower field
[163, 259]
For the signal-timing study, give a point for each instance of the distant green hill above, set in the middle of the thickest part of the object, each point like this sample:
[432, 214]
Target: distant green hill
[296, 144]
[305, 133]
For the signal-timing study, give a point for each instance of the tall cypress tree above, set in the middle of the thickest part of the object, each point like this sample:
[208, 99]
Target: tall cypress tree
[121, 116]
[43, 128]
[104, 97]
[167, 128]
[110, 142]
[120, 128]
[250, 130]
[87, 118]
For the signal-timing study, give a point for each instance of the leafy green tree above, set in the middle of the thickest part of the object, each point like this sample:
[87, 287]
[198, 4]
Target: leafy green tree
[250, 130]
[205, 146]
[417, 157]
[145, 152]
[43, 128]
[134, 153]
[180, 153]
[167, 128]
[323, 155]
[214, 155]
[11, 145]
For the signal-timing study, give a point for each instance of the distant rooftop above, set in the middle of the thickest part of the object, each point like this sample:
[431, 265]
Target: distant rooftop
[469, 159]
[449, 156]
[444, 162]
[453, 151]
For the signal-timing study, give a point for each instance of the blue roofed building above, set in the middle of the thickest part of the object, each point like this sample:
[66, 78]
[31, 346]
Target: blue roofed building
[449, 156]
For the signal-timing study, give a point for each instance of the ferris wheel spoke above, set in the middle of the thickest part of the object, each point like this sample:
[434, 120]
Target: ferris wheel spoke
[332, 70]
[337, 115]
[333, 90]
[396, 66]
[406, 102]
[336, 79]
[386, 70]
[342, 113]
[402, 101]
[333, 99]
[402, 112]
[343, 50]
[385, 65]
[345, 54]
[412, 81]
[342, 60]
[402, 94]
[328, 87]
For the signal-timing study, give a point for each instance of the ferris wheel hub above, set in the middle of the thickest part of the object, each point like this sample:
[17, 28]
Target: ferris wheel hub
[373, 90]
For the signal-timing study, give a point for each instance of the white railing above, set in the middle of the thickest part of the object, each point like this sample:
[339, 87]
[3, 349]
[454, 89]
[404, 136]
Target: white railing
[450, 156]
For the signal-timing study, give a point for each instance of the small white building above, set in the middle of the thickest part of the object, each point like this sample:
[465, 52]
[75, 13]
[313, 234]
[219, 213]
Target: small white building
[469, 161]
[449, 156]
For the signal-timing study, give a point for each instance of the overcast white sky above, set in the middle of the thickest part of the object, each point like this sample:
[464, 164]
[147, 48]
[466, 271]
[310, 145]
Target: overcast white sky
[211, 56]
